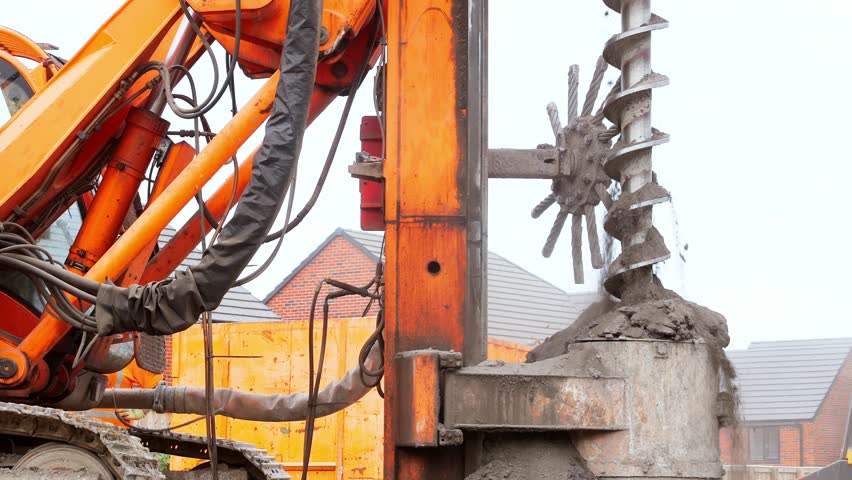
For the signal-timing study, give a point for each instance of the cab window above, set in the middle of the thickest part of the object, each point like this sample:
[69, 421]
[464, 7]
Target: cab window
[14, 88]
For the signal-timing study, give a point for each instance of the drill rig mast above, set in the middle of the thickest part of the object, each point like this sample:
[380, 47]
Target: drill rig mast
[606, 398]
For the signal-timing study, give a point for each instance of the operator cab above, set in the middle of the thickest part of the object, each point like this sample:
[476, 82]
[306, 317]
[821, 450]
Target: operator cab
[14, 87]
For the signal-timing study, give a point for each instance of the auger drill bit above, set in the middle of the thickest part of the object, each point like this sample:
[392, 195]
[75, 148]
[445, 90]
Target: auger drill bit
[577, 193]
[629, 218]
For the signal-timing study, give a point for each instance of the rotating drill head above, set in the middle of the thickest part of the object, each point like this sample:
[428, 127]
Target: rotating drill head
[628, 161]
[630, 218]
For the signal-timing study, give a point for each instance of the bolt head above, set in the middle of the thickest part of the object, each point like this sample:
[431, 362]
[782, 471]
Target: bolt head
[8, 368]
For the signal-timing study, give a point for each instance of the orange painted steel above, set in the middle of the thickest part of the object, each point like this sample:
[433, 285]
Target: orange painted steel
[329, 85]
[187, 238]
[18, 320]
[426, 210]
[14, 44]
[156, 217]
[264, 25]
[159, 213]
[41, 137]
[121, 181]
[119, 39]
[179, 156]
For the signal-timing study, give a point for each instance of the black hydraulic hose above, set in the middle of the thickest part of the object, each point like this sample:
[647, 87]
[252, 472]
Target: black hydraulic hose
[24, 267]
[332, 152]
[173, 305]
[78, 281]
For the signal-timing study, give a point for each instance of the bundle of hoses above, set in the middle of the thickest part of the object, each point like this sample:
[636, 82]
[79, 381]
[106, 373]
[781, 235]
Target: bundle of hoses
[50, 281]
[173, 305]
[247, 406]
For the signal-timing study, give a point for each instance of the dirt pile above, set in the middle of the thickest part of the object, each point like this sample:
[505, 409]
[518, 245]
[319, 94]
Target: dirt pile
[500, 470]
[658, 314]
[517, 456]
[663, 315]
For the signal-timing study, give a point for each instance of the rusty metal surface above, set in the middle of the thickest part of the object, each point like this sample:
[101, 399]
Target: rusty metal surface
[256, 461]
[418, 398]
[502, 163]
[529, 163]
[150, 352]
[435, 246]
[367, 167]
[478, 400]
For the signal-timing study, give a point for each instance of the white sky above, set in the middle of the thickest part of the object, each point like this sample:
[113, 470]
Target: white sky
[755, 106]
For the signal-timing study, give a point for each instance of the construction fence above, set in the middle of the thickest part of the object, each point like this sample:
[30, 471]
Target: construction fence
[273, 358]
[766, 472]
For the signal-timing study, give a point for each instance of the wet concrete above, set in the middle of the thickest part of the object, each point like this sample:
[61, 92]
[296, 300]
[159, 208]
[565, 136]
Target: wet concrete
[665, 319]
[524, 456]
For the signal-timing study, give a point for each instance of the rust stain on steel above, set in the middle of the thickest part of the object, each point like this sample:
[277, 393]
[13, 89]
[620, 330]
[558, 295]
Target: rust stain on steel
[533, 402]
[417, 398]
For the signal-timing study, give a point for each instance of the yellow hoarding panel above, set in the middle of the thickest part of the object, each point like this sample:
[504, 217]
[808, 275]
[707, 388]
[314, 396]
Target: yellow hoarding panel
[273, 358]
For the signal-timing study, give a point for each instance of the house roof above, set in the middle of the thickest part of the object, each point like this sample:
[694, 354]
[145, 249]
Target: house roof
[522, 307]
[238, 305]
[787, 380]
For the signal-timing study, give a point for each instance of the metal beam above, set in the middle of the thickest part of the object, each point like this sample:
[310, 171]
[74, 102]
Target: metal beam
[433, 212]
[475, 399]
[545, 163]
[529, 163]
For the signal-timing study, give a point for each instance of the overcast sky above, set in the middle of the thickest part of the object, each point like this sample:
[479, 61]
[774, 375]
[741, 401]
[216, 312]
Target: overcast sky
[756, 108]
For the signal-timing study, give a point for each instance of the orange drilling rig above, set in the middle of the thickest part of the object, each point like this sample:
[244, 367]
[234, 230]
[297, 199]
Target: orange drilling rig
[607, 398]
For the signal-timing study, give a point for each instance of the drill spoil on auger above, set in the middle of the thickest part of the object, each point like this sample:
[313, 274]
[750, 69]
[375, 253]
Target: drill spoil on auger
[632, 348]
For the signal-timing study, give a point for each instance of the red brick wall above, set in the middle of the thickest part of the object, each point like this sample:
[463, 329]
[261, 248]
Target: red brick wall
[791, 445]
[725, 445]
[339, 260]
[824, 436]
[733, 453]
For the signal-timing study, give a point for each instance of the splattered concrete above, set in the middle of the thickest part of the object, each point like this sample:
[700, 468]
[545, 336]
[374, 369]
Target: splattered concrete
[661, 315]
[518, 456]
[35, 474]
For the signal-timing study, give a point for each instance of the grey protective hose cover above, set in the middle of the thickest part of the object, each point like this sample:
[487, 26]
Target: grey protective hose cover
[172, 305]
[247, 406]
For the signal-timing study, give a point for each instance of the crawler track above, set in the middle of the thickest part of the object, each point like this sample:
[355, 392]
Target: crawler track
[129, 456]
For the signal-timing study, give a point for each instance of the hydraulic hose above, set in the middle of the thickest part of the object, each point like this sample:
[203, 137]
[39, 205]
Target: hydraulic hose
[173, 305]
[242, 405]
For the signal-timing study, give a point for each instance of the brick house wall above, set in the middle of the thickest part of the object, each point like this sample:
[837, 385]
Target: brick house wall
[734, 449]
[824, 435]
[340, 260]
[812, 443]
[791, 445]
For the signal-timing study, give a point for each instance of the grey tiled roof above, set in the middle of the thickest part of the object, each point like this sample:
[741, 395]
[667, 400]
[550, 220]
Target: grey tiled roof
[522, 307]
[238, 305]
[787, 380]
